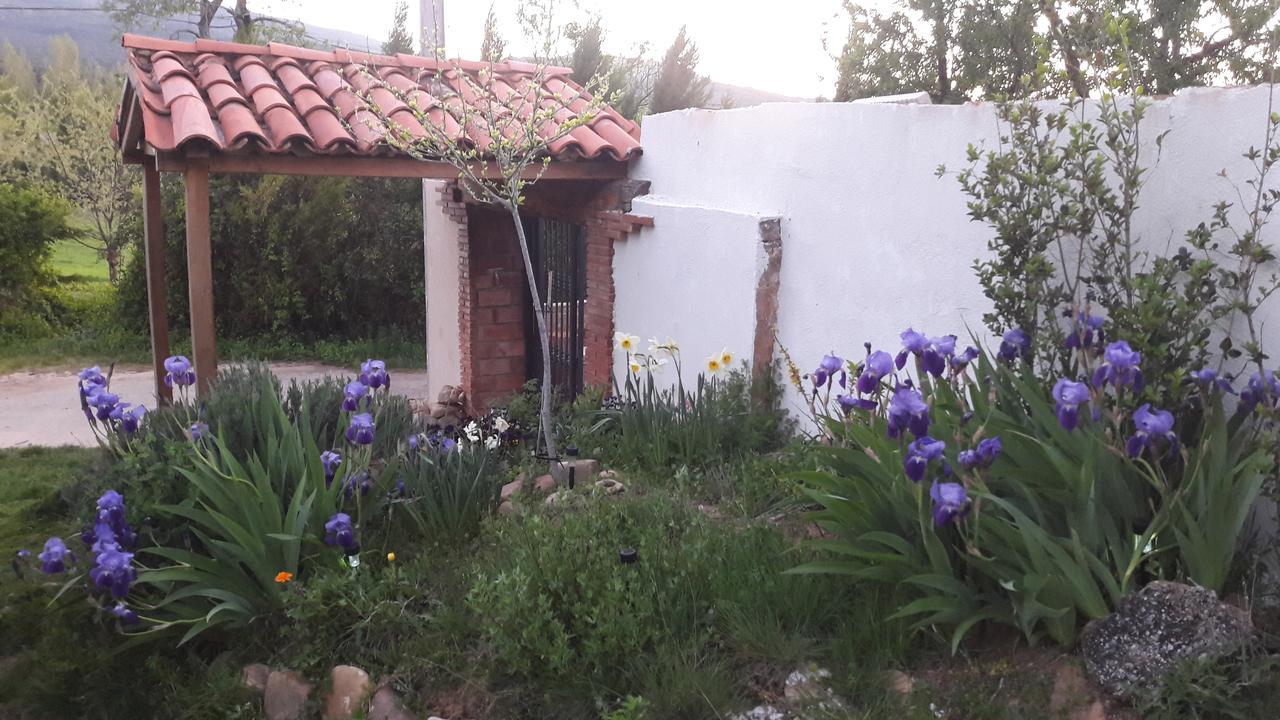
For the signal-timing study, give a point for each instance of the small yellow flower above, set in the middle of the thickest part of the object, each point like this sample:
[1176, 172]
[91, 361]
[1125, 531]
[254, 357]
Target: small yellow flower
[391, 557]
[625, 342]
[713, 365]
[726, 358]
[635, 367]
[284, 577]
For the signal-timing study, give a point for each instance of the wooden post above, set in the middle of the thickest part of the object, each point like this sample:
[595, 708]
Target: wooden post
[200, 276]
[153, 232]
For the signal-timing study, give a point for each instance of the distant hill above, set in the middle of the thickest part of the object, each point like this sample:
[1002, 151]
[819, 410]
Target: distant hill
[724, 95]
[99, 41]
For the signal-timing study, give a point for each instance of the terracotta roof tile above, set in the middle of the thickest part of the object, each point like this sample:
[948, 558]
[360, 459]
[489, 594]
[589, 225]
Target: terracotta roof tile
[278, 98]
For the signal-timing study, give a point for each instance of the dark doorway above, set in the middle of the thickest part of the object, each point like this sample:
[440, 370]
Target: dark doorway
[558, 250]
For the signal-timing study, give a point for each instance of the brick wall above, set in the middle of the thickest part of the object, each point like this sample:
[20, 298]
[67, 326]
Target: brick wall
[497, 299]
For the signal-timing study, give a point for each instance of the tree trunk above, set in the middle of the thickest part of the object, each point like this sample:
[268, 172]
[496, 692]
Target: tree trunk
[208, 10]
[112, 254]
[544, 339]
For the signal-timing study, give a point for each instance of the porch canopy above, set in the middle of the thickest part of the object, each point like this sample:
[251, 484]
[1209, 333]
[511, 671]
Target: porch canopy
[210, 106]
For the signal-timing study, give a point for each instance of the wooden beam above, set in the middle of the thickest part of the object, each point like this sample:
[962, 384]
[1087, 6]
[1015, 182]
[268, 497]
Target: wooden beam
[200, 276]
[360, 166]
[153, 234]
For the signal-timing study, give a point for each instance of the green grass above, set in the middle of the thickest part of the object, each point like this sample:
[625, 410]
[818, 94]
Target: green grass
[72, 261]
[30, 504]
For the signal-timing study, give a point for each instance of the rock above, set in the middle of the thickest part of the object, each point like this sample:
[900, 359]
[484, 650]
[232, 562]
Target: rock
[1073, 698]
[583, 471]
[348, 687]
[610, 474]
[760, 712]
[808, 685]
[506, 508]
[386, 705]
[610, 486]
[286, 696]
[1130, 651]
[512, 488]
[545, 484]
[900, 683]
[255, 677]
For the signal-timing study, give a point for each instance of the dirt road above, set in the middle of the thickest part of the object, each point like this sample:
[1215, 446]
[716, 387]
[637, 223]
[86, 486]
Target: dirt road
[42, 408]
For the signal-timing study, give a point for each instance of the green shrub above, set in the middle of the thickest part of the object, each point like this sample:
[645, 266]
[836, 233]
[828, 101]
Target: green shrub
[447, 494]
[1236, 687]
[30, 222]
[556, 605]
[232, 408]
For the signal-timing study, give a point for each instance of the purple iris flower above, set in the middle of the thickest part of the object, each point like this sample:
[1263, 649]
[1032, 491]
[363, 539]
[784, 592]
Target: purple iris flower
[950, 502]
[1014, 345]
[56, 557]
[1152, 426]
[127, 616]
[338, 532]
[1069, 396]
[1263, 388]
[827, 369]
[1087, 331]
[199, 430]
[1119, 367]
[361, 482]
[374, 374]
[879, 364]
[111, 509]
[360, 431]
[849, 403]
[908, 410]
[178, 371]
[114, 572]
[1208, 379]
[982, 456]
[92, 376]
[104, 401]
[919, 454]
[129, 416]
[351, 395]
[413, 441]
[330, 460]
[961, 361]
[913, 343]
[23, 554]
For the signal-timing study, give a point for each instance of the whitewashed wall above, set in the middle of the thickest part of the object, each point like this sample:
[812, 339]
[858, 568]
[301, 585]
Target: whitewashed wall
[440, 257]
[872, 241]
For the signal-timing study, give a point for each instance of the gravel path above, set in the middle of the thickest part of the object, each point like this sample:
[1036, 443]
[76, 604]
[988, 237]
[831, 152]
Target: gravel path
[42, 408]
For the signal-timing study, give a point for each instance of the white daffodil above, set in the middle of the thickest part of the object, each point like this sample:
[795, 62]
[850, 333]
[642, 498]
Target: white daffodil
[500, 424]
[726, 358]
[625, 342]
[655, 363]
[635, 366]
[714, 366]
[491, 442]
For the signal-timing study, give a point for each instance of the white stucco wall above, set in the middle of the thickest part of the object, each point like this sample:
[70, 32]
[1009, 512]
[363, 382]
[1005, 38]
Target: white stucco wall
[873, 242]
[696, 286]
[440, 255]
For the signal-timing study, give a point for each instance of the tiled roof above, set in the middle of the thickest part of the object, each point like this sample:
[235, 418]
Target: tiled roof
[279, 99]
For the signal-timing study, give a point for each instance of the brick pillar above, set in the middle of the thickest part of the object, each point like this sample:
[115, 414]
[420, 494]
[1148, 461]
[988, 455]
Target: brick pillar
[494, 362]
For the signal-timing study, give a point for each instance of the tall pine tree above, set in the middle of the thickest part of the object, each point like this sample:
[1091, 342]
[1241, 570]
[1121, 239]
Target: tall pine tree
[399, 40]
[679, 85]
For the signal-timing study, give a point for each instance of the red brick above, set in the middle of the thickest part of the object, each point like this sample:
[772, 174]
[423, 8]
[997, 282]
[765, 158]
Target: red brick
[510, 313]
[490, 367]
[494, 297]
[503, 331]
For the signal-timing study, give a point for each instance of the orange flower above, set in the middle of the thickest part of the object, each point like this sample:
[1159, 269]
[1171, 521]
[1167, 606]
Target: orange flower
[284, 577]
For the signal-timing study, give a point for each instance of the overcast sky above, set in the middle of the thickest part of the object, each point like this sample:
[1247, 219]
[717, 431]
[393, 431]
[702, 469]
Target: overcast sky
[770, 45]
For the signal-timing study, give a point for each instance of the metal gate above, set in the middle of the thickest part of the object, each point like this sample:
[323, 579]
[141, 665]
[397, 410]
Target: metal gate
[558, 250]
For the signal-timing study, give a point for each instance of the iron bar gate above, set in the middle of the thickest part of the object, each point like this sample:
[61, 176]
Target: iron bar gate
[558, 251]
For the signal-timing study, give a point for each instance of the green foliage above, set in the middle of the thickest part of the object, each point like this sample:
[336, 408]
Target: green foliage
[986, 49]
[233, 407]
[298, 258]
[556, 605]
[30, 224]
[655, 428]
[1060, 193]
[1236, 687]
[678, 84]
[447, 494]
[1062, 525]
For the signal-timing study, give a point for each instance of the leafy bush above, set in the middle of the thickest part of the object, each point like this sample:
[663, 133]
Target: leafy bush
[556, 604]
[1040, 512]
[448, 492]
[30, 222]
